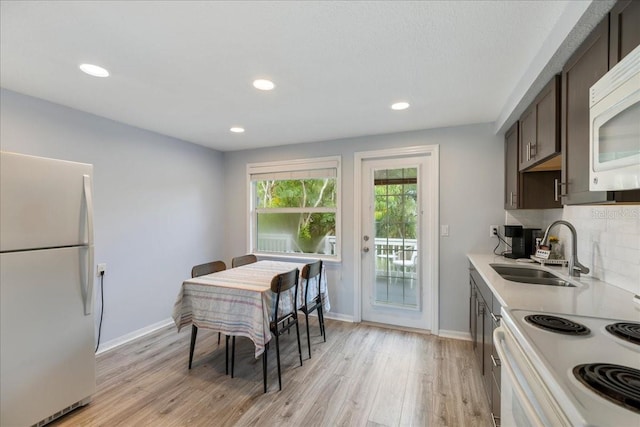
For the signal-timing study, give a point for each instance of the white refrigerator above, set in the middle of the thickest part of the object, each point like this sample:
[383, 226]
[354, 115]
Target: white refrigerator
[46, 288]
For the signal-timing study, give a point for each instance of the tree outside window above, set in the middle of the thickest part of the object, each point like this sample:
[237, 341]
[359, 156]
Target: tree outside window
[295, 208]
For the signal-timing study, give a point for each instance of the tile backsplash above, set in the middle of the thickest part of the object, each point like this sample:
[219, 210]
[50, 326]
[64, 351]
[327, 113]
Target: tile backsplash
[608, 238]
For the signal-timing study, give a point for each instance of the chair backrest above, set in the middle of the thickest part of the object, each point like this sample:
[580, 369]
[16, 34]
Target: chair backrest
[311, 271]
[280, 283]
[208, 268]
[243, 260]
[285, 281]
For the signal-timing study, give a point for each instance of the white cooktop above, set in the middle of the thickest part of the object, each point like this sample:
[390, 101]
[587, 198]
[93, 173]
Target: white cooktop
[555, 355]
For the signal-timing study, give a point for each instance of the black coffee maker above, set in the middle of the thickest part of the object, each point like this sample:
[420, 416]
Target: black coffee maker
[523, 240]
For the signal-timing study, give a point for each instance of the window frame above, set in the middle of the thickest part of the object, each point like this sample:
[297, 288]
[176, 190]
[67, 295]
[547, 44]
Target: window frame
[331, 162]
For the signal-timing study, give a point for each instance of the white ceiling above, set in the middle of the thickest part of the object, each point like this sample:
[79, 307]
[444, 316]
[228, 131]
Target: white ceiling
[185, 68]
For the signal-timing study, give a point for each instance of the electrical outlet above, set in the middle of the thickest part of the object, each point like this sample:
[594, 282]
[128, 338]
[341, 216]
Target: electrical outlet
[493, 230]
[102, 268]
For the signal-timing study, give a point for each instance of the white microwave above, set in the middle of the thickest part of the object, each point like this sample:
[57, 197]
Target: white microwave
[614, 151]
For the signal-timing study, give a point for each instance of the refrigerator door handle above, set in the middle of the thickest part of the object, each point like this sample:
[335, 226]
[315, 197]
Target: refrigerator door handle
[87, 290]
[88, 196]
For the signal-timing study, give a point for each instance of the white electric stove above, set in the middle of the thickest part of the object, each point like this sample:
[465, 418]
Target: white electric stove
[565, 369]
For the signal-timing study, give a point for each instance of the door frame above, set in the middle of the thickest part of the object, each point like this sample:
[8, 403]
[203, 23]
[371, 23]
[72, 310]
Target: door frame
[430, 252]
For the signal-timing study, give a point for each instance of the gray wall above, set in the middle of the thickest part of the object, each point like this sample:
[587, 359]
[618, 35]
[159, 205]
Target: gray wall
[471, 188]
[161, 202]
[157, 202]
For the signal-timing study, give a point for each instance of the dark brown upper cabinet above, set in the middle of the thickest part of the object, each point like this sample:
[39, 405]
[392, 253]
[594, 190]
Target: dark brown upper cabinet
[511, 174]
[624, 21]
[584, 68]
[607, 44]
[527, 190]
[540, 127]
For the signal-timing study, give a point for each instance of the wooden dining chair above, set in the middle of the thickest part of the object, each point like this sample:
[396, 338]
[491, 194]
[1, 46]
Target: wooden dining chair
[313, 297]
[197, 271]
[279, 323]
[243, 260]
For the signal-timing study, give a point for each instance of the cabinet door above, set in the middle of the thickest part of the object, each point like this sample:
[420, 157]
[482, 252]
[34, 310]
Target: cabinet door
[527, 138]
[539, 127]
[487, 351]
[547, 122]
[480, 321]
[586, 66]
[473, 320]
[624, 32]
[511, 174]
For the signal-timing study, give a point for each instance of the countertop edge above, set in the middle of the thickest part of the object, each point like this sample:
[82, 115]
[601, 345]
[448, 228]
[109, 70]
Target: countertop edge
[590, 297]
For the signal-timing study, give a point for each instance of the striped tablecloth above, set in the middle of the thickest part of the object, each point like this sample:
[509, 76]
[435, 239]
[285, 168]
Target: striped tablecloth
[238, 301]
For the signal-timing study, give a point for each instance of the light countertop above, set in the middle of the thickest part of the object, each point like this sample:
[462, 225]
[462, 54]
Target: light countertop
[590, 297]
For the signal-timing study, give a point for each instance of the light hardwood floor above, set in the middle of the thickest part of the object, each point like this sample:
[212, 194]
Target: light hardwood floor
[362, 376]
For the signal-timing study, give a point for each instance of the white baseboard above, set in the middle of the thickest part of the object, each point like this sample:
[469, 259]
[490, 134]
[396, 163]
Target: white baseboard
[338, 316]
[117, 342]
[456, 335]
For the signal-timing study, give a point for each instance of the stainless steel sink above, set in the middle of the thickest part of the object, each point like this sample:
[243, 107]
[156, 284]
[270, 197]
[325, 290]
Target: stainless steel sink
[532, 276]
[548, 281]
[522, 271]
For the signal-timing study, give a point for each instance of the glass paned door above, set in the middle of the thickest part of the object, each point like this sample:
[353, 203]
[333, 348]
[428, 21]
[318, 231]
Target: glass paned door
[396, 249]
[392, 263]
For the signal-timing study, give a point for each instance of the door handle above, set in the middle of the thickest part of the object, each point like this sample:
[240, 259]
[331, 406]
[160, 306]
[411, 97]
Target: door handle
[87, 289]
[557, 192]
[496, 317]
[495, 361]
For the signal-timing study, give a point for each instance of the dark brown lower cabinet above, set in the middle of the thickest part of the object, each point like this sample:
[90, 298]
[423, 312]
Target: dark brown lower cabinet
[484, 317]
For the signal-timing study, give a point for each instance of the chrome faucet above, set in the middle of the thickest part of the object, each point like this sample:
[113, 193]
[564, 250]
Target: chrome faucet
[575, 268]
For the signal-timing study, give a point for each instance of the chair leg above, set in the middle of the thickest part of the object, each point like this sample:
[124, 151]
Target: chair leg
[278, 359]
[299, 347]
[194, 333]
[306, 316]
[218, 338]
[323, 329]
[264, 368]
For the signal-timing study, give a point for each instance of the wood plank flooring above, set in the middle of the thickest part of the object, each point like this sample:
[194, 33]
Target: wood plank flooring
[362, 376]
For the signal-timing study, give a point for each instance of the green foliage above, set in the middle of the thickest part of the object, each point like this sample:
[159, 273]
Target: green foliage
[310, 228]
[396, 203]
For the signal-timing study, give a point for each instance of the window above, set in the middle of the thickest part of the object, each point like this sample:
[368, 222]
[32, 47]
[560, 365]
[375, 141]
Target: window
[295, 207]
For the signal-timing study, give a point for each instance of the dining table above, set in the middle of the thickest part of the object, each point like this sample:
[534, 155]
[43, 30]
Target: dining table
[239, 301]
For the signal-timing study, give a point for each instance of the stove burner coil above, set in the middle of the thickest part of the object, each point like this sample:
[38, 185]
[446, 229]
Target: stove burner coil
[619, 384]
[557, 324]
[628, 331]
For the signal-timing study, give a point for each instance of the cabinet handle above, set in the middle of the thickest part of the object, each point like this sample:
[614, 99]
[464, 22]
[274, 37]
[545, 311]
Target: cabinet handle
[534, 147]
[495, 420]
[511, 198]
[557, 192]
[495, 361]
[528, 151]
[496, 317]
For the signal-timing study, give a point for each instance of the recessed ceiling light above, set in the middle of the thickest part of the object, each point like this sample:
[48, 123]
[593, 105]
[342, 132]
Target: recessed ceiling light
[94, 70]
[237, 129]
[263, 84]
[400, 106]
